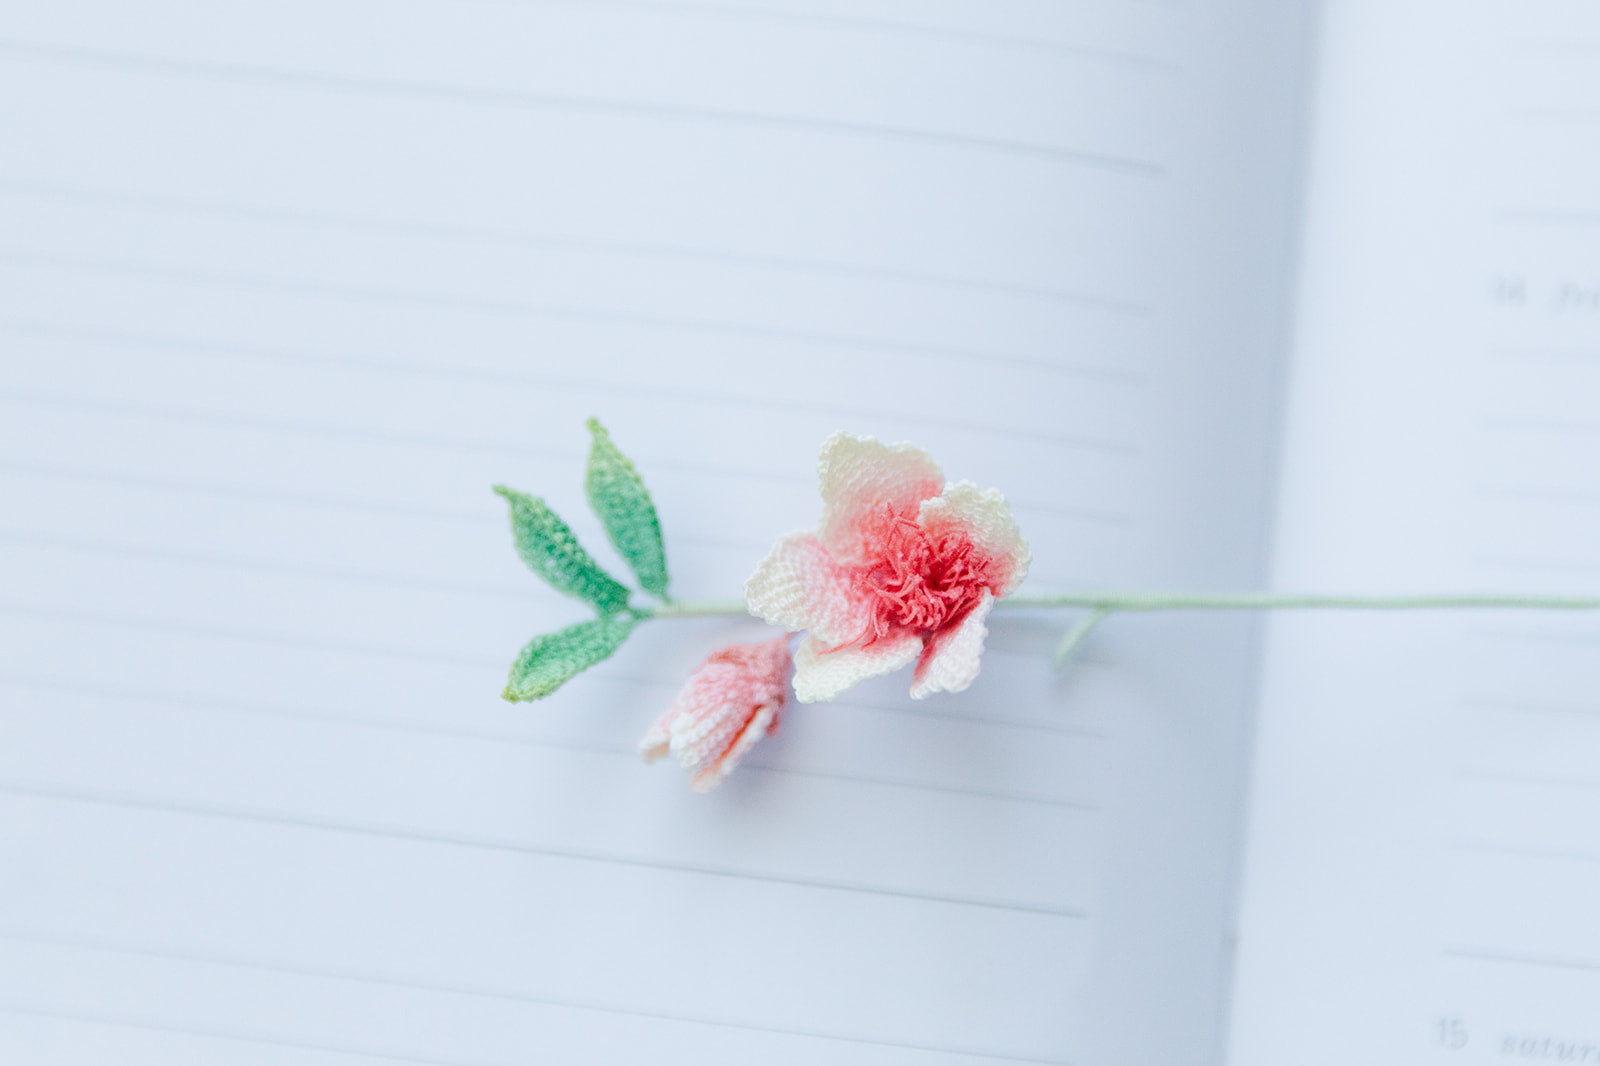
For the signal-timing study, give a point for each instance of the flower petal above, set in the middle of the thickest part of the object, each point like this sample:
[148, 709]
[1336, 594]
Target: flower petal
[859, 477]
[704, 734]
[762, 723]
[658, 738]
[985, 518]
[653, 745]
[950, 661]
[799, 586]
[731, 700]
[823, 672]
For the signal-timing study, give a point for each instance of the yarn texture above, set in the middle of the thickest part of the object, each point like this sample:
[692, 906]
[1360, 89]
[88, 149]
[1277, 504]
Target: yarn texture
[551, 550]
[903, 568]
[732, 700]
[551, 660]
[619, 499]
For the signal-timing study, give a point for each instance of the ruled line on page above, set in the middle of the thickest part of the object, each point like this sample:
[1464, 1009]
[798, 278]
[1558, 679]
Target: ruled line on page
[1521, 851]
[259, 816]
[341, 575]
[668, 685]
[483, 517]
[335, 430]
[1497, 777]
[1559, 116]
[1540, 425]
[368, 978]
[1575, 497]
[919, 710]
[340, 431]
[858, 24]
[1548, 45]
[1529, 354]
[1535, 636]
[1521, 706]
[530, 593]
[627, 754]
[151, 203]
[225, 489]
[18, 1010]
[541, 382]
[1550, 216]
[295, 641]
[394, 88]
[339, 291]
[262, 494]
[310, 571]
[1532, 564]
[480, 517]
[1494, 955]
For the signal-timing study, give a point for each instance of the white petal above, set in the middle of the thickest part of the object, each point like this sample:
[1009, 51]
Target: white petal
[799, 586]
[823, 674]
[860, 476]
[658, 738]
[654, 744]
[951, 661]
[983, 515]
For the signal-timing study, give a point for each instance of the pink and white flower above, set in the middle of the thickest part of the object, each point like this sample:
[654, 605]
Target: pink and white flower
[732, 700]
[903, 568]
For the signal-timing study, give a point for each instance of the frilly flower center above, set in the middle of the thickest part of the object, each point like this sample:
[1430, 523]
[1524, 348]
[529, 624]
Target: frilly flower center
[920, 583]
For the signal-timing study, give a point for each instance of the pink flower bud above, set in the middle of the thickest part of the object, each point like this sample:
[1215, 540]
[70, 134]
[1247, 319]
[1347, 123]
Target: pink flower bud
[732, 700]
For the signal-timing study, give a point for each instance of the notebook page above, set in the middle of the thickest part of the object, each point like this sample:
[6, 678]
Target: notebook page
[1424, 840]
[286, 287]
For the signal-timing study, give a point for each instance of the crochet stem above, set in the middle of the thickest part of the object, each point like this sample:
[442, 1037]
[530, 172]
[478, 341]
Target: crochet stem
[1275, 601]
[1108, 602]
[697, 609]
[1076, 636]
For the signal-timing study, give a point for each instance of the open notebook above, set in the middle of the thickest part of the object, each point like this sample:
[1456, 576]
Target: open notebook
[285, 287]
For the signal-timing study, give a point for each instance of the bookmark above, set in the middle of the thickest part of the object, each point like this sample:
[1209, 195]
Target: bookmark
[902, 570]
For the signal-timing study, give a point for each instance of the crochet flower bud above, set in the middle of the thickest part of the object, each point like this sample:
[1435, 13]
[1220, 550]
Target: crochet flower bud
[732, 700]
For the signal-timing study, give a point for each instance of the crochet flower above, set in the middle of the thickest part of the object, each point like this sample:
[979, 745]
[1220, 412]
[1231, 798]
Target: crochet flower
[902, 568]
[731, 701]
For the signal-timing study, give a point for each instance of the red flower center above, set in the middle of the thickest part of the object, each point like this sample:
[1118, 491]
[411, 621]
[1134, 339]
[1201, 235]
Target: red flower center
[919, 583]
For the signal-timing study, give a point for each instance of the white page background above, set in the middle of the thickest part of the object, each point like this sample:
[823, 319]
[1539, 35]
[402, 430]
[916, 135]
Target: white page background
[286, 287]
[1423, 842]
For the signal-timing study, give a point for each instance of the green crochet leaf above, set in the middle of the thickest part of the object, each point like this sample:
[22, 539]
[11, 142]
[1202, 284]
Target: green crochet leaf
[618, 496]
[551, 551]
[552, 659]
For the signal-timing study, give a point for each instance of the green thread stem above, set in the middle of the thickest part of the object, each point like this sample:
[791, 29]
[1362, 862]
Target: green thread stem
[696, 609]
[1275, 601]
[1076, 636]
[1110, 602]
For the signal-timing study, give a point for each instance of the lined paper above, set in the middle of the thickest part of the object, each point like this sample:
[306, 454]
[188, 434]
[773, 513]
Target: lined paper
[1424, 844]
[284, 288]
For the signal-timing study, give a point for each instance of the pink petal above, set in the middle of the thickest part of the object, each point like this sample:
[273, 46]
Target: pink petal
[799, 586]
[704, 735]
[711, 686]
[983, 516]
[859, 478]
[950, 661]
[767, 664]
[731, 700]
[823, 671]
[763, 722]
[657, 739]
